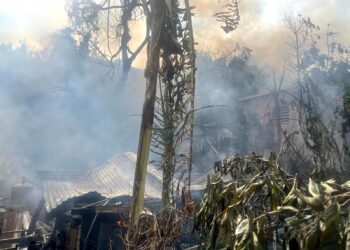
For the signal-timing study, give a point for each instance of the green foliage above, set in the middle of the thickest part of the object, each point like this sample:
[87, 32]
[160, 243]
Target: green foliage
[262, 206]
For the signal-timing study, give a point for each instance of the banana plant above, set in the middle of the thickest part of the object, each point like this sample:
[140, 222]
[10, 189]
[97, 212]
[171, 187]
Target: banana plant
[263, 207]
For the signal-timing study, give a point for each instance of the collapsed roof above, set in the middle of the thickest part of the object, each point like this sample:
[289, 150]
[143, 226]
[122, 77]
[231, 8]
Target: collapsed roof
[113, 179]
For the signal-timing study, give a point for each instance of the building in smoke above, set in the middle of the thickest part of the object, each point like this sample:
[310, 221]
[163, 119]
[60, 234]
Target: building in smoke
[253, 126]
[263, 125]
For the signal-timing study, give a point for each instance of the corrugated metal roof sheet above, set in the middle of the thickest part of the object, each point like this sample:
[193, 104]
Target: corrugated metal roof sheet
[43, 175]
[113, 179]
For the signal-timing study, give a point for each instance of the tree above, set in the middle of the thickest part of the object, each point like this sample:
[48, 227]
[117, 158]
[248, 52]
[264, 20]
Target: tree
[228, 15]
[167, 43]
[174, 105]
[316, 73]
[105, 28]
[175, 48]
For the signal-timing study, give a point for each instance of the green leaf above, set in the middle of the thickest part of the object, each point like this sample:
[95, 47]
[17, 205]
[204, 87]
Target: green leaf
[314, 189]
[312, 239]
[313, 202]
[329, 225]
[243, 233]
[297, 220]
[291, 196]
[256, 242]
[274, 196]
[346, 185]
[213, 234]
[331, 181]
[261, 233]
[242, 227]
[288, 209]
[328, 189]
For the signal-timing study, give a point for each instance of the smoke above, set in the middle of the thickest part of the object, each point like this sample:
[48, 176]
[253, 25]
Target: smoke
[262, 28]
[60, 111]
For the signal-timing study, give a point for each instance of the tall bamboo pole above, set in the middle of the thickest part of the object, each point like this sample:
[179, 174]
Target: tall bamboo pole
[151, 74]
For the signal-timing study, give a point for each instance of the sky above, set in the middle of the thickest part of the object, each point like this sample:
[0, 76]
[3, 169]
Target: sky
[31, 21]
[261, 27]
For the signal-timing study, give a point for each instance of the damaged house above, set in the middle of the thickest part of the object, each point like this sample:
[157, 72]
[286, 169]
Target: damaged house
[87, 211]
[259, 126]
[92, 210]
[253, 128]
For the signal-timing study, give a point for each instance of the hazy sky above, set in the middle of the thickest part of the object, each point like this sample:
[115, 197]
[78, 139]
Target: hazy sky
[261, 27]
[30, 20]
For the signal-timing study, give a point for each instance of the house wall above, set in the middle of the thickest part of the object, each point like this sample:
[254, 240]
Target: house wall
[260, 112]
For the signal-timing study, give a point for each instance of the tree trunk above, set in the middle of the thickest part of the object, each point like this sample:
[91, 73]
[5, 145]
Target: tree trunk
[125, 38]
[151, 73]
[124, 75]
[168, 172]
[193, 90]
[168, 155]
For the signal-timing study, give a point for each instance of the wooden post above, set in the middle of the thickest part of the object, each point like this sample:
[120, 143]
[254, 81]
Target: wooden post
[151, 74]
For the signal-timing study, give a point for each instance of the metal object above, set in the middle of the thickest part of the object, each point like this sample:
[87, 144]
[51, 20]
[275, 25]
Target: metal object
[113, 179]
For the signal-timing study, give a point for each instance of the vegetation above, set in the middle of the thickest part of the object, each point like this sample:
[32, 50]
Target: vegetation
[262, 207]
[321, 78]
[174, 107]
